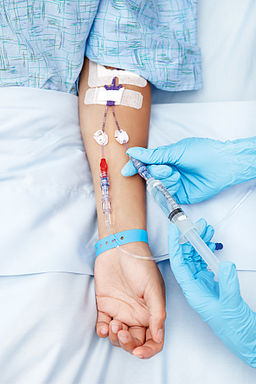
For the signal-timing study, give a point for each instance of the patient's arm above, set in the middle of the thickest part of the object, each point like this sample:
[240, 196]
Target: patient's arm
[128, 290]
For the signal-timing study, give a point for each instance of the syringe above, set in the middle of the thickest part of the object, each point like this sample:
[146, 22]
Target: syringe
[175, 214]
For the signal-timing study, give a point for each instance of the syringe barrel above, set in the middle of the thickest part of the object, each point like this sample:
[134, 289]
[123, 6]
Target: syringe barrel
[186, 227]
[189, 233]
[203, 250]
[141, 168]
[161, 196]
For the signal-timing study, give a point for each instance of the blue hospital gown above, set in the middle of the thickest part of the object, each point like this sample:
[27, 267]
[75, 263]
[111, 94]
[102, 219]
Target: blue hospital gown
[42, 43]
[155, 38]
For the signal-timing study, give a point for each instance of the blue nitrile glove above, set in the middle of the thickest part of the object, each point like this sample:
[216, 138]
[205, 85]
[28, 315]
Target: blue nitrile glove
[195, 169]
[218, 303]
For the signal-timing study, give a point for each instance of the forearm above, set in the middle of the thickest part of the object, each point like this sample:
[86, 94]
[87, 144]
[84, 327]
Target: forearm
[127, 195]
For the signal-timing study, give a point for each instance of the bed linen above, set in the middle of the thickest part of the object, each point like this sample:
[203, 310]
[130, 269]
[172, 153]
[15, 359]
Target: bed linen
[47, 319]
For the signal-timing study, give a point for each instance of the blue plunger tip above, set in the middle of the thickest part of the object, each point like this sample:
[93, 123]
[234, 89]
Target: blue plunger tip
[219, 246]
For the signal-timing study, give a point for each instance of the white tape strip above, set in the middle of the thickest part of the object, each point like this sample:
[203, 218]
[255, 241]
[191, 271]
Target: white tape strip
[123, 96]
[99, 76]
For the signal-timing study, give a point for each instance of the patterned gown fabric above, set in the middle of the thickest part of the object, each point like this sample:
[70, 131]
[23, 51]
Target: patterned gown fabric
[155, 38]
[42, 42]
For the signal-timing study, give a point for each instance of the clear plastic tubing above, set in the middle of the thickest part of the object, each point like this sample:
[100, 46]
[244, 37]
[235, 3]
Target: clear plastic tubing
[176, 215]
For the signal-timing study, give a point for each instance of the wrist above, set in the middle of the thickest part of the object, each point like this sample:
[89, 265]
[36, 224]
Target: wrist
[120, 239]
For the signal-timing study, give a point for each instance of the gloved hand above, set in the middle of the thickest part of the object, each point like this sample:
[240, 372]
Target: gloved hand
[195, 169]
[218, 303]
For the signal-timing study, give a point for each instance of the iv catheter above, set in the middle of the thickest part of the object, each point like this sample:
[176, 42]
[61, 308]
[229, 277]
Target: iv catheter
[176, 215]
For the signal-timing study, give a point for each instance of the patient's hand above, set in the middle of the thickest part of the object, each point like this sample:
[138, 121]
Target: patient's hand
[131, 300]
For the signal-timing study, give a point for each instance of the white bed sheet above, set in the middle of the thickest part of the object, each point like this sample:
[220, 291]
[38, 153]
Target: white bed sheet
[48, 337]
[227, 38]
[47, 323]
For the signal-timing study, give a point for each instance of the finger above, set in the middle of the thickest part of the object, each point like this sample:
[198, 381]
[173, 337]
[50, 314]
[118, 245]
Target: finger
[201, 226]
[162, 155]
[102, 324]
[206, 277]
[169, 176]
[204, 265]
[132, 338]
[208, 234]
[154, 297]
[114, 327]
[160, 171]
[149, 349]
[129, 169]
[212, 246]
[229, 284]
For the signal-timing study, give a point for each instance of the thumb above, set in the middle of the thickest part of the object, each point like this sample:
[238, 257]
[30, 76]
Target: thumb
[162, 155]
[229, 284]
[129, 169]
[155, 300]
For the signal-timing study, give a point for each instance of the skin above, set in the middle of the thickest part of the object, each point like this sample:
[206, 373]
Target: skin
[129, 291]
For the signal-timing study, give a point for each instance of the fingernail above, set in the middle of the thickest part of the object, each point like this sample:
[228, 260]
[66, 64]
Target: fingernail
[138, 354]
[115, 328]
[104, 330]
[159, 336]
[123, 338]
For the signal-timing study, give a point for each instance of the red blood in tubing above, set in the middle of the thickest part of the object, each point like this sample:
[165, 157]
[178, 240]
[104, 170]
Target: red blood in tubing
[103, 167]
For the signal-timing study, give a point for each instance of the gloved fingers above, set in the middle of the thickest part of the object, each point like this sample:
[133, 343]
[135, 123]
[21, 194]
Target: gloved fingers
[229, 287]
[212, 246]
[206, 278]
[102, 325]
[202, 228]
[179, 266]
[169, 176]
[161, 172]
[129, 169]
[208, 234]
[196, 263]
[168, 154]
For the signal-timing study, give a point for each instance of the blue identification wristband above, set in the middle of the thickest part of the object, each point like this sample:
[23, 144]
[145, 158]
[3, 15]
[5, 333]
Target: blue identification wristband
[120, 238]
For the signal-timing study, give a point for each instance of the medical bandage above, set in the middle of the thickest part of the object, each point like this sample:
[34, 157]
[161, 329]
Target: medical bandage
[105, 91]
[99, 76]
[121, 96]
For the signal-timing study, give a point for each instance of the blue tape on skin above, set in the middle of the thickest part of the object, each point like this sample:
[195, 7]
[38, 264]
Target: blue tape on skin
[120, 238]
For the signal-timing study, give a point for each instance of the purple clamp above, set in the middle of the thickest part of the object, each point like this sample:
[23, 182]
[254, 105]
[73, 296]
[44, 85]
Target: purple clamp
[112, 87]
